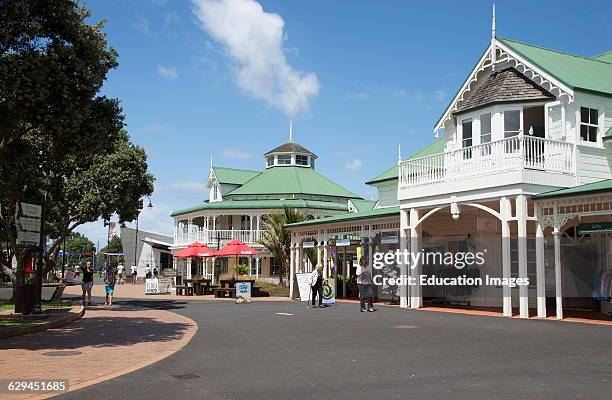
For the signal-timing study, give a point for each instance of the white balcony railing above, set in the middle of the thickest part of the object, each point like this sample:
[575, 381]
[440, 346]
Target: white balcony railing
[211, 237]
[518, 152]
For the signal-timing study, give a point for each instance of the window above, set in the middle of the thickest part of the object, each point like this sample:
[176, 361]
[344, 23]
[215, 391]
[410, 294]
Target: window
[512, 123]
[216, 195]
[270, 161]
[589, 125]
[485, 134]
[283, 159]
[466, 137]
[301, 160]
[274, 266]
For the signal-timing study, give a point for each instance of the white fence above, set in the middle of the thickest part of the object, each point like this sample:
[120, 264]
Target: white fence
[211, 237]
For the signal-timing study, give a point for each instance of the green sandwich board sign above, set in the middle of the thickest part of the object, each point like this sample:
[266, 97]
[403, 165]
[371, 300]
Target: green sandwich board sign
[595, 227]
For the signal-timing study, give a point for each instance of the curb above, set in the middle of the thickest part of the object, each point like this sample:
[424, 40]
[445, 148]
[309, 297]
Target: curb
[39, 327]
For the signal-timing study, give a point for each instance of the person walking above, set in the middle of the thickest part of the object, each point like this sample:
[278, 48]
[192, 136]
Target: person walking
[87, 282]
[148, 272]
[134, 271]
[120, 271]
[109, 280]
[316, 284]
[364, 283]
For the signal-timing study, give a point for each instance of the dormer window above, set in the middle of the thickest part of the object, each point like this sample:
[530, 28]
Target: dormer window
[270, 161]
[283, 159]
[301, 159]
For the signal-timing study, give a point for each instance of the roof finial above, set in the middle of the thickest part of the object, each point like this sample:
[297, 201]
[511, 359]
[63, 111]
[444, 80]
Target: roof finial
[290, 131]
[493, 49]
[211, 162]
[399, 152]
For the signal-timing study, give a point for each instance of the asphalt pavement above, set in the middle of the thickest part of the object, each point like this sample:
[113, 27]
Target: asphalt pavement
[285, 351]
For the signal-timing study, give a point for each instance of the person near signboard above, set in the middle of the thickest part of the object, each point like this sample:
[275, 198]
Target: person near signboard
[120, 271]
[316, 284]
[364, 283]
[87, 282]
[109, 280]
[134, 270]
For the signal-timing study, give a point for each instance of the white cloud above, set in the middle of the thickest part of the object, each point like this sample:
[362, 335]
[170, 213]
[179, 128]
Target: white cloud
[356, 96]
[142, 25]
[353, 165]
[254, 40]
[185, 187]
[235, 153]
[439, 95]
[167, 72]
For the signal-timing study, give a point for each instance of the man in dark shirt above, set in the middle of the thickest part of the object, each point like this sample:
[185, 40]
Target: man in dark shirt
[87, 282]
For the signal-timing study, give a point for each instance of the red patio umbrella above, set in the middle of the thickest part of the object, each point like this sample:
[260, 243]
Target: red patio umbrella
[194, 250]
[236, 248]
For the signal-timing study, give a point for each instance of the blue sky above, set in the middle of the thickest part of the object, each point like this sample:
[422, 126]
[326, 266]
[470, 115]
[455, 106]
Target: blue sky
[358, 78]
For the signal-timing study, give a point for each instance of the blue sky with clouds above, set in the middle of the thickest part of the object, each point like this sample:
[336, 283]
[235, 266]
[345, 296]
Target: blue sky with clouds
[223, 77]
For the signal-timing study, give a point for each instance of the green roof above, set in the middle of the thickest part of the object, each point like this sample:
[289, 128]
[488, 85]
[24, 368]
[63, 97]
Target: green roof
[589, 74]
[234, 176]
[259, 204]
[608, 134]
[363, 205]
[291, 180]
[435, 147]
[595, 187]
[375, 213]
[605, 57]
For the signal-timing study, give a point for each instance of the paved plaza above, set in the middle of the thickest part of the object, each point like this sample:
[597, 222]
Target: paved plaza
[282, 350]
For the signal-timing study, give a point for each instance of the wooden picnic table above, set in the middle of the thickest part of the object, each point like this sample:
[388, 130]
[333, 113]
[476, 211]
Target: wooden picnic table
[201, 286]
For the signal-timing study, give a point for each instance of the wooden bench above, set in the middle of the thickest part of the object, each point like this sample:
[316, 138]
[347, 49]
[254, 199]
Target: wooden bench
[187, 290]
[221, 292]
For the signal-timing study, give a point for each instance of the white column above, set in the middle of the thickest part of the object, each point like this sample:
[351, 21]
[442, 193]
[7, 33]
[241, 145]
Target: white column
[325, 261]
[257, 262]
[558, 277]
[319, 254]
[521, 218]
[505, 210]
[540, 265]
[291, 268]
[416, 298]
[404, 227]
[190, 231]
[300, 267]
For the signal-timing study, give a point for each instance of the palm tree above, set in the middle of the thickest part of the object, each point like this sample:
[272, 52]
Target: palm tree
[277, 239]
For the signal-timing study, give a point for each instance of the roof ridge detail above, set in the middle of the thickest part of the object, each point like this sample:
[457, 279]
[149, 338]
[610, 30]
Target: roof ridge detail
[238, 169]
[555, 51]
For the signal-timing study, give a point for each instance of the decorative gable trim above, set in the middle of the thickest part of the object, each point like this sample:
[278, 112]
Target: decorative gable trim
[212, 179]
[527, 68]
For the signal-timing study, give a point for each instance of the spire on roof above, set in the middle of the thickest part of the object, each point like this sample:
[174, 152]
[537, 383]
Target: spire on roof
[399, 152]
[290, 131]
[493, 49]
[211, 162]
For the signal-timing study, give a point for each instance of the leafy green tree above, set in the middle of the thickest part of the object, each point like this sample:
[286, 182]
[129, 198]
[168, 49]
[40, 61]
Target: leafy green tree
[61, 144]
[78, 243]
[277, 239]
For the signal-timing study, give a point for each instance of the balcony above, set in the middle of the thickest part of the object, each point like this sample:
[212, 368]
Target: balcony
[210, 237]
[517, 159]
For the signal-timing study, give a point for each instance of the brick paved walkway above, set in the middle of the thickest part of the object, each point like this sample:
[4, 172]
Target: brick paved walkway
[111, 341]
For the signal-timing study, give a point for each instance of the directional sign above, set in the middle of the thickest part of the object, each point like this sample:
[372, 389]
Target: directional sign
[29, 224]
[31, 210]
[28, 238]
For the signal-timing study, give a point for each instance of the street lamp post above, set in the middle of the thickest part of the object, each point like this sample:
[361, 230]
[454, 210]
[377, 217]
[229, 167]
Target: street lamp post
[40, 265]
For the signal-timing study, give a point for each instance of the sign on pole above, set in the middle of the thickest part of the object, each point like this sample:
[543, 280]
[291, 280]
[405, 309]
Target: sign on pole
[29, 224]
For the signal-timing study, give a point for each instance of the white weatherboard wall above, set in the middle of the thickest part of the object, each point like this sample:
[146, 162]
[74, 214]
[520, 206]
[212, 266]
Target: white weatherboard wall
[387, 193]
[594, 160]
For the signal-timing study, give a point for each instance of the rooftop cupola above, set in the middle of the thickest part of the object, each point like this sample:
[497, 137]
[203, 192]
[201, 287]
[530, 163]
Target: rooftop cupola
[290, 154]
